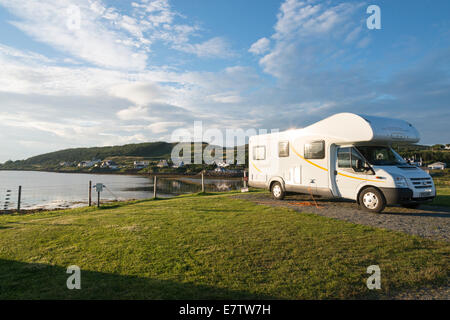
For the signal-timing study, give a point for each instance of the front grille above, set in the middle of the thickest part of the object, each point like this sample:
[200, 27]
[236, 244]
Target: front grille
[421, 183]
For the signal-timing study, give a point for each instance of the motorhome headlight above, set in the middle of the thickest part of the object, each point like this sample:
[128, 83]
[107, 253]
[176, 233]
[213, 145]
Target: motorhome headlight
[400, 181]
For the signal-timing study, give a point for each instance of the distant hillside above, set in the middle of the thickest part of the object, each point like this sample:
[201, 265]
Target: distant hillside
[157, 150]
[123, 155]
[428, 154]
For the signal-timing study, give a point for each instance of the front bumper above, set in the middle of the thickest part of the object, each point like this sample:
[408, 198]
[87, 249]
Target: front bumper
[402, 196]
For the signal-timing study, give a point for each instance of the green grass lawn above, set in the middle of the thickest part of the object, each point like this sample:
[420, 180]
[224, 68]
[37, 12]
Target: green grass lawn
[442, 196]
[442, 182]
[207, 247]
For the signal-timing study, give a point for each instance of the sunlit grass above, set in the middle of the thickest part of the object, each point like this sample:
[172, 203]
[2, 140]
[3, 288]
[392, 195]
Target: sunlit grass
[206, 246]
[442, 196]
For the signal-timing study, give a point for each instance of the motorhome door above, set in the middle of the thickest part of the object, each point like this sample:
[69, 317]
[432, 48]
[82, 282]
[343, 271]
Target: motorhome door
[315, 171]
[349, 174]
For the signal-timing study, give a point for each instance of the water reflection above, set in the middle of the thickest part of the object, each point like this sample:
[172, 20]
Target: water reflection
[185, 185]
[47, 190]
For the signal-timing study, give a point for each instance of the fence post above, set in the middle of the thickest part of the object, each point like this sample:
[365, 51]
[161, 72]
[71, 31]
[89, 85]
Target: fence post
[19, 198]
[98, 199]
[154, 187]
[245, 178]
[203, 182]
[90, 193]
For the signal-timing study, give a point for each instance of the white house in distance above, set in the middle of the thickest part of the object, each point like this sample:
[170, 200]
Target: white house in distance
[414, 161]
[88, 164]
[162, 164]
[437, 166]
[109, 164]
[179, 165]
[141, 164]
[222, 164]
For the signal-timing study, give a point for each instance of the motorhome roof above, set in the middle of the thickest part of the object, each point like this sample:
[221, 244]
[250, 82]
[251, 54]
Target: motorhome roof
[353, 128]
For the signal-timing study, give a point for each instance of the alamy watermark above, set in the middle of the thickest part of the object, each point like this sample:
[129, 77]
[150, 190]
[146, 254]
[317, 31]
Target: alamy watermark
[190, 148]
[374, 281]
[374, 20]
[74, 281]
[73, 18]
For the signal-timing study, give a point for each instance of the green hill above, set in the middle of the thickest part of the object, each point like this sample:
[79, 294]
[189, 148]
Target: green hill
[124, 155]
[149, 150]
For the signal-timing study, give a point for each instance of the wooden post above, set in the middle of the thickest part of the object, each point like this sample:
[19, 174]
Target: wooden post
[19, 198]
[98, 199]
[245, 178]
[203, 182]
[90, 193]
[154, 187]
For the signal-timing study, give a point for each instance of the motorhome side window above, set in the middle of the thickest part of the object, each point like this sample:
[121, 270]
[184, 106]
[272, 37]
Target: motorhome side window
[283, 149]
[344, 158]
[315, 150]
[357, 161]
[259, 153]
[350, 158]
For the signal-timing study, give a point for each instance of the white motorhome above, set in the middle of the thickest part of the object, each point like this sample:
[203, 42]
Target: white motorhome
[344, 156]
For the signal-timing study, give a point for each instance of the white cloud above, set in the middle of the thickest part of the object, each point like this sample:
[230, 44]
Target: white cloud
[313, 55]
[214, 47]
[227, 97]
[260, 47]
[141, 93]
[94, 41]
[107, 37]
[161, 127]
[310, 36]
[133, 113]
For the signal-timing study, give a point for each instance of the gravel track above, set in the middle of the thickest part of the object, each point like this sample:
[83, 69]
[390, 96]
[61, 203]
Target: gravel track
[427, 221]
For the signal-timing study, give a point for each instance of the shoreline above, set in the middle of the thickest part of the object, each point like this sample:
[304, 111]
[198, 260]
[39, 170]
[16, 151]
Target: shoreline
[67, 206]
[157, 174]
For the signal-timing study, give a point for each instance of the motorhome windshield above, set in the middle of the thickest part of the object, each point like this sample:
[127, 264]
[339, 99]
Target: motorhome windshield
[381, 156]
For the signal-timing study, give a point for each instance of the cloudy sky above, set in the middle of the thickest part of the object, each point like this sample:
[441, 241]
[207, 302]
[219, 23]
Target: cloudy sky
[90, 72]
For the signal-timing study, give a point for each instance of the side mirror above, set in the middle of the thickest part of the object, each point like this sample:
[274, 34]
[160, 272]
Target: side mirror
[359, 164]
[367, 167]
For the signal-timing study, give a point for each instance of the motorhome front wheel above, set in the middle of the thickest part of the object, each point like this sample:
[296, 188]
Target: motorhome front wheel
[277, 191]
[372, 200]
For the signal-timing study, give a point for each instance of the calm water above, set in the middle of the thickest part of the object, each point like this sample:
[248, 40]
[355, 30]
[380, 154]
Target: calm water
[62, 190]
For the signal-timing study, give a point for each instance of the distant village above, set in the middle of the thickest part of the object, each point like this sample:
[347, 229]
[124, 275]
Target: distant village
[418, 162]
[219, 168]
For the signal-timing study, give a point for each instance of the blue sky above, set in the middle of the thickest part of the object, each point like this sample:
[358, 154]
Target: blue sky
[135, 71]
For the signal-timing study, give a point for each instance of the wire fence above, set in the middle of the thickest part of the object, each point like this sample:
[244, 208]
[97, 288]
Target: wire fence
[46, 196]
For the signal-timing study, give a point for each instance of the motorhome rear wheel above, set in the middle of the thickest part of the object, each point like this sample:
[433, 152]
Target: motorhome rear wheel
[277, 191]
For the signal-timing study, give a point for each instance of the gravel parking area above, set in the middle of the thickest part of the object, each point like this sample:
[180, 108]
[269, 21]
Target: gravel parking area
[442, 293]
[427, 221]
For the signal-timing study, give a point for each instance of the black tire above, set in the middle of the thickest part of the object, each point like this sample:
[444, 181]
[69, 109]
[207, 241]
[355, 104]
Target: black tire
[372, 200]
[277, 191]
[413, 205]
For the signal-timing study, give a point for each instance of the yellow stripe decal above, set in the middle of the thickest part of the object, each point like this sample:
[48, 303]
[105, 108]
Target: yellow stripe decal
[256, 167]
[341, 174]
[316, 165]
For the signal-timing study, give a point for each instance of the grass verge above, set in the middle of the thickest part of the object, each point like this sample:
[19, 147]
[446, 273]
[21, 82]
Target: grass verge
[442, 197]
[207, 247]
